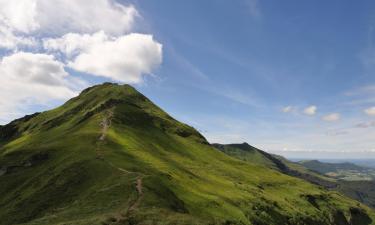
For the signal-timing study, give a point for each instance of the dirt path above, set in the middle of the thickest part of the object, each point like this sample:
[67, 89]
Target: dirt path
[133, 205]
[139, 189]
[105, 125]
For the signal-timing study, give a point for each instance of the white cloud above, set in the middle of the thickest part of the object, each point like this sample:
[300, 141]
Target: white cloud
[331, 117]
[91, 36]
[311, 110]
[9, 40]
[19, 15]
[287, 109]
[28, 79]
[61, 16]
[72, 44]
[21, 20]
[123, 59]
[370, 111]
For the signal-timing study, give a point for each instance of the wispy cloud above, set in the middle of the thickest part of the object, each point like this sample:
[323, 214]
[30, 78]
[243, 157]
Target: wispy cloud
[310, 110]
[370, 111]
[203, 82]
[332, 117]
[287, 109]
[254, 8]
[365, 124]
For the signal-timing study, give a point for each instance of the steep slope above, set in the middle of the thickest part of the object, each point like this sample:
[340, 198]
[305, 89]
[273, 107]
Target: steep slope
[248, 153]
[362, 191]
[251, 154]
[110, 156]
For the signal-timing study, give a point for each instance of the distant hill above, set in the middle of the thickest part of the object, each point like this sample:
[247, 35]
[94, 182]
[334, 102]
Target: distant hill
[323, 167]
[111, 156]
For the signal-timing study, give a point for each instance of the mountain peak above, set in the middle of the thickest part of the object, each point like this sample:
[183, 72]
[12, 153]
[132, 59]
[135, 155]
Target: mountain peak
[108, 90]
[124, 103]
[104, 96]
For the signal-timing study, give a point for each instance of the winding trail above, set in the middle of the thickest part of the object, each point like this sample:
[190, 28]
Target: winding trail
[139, 189]
[105, 125]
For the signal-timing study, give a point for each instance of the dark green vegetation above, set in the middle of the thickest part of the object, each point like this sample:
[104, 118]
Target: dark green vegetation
[363, 191]
[110, 156]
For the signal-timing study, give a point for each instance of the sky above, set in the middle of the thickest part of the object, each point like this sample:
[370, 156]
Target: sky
[291, 77]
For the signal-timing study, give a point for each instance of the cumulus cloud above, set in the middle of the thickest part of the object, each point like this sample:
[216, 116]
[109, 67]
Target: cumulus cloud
[287, 109]
[21, 19]
[370, 111]
[28, 78]
[311, 110]
[331, 117]
[61, 16]
[125, 58]
[43, 37]
[72, 44]
[8, 40]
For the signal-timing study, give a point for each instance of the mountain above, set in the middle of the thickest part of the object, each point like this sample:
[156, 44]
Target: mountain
[360, 190]
[324, 167]
[111, 156]
[248, 153]
[353, 180]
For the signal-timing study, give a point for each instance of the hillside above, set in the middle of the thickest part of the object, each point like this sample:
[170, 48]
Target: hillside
[110, 156]
[324, 167]
[248, 153]
[361, 190]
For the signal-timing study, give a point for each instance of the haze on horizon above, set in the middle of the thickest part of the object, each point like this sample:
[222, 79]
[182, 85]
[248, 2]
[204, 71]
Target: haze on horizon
[288, 77]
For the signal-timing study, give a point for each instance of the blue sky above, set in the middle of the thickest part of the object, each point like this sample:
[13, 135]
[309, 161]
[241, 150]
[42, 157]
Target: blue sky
[285, 76]
[229, 69]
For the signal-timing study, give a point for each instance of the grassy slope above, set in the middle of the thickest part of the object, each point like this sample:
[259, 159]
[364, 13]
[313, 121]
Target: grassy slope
[58, 168]
[248, 153]
[362, 191]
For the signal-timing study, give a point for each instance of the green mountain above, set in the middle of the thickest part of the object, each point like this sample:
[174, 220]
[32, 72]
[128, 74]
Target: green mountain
[248, 153]
[353, 180]
[360, 190]
[324, 167]
[110, 156]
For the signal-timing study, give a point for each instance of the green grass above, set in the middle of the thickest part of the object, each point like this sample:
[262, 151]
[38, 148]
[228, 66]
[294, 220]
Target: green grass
[60, 173]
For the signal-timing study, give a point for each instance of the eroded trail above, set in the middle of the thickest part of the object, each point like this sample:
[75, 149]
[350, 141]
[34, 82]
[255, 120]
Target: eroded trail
[105, 124]
[132, 204]
[139, 189]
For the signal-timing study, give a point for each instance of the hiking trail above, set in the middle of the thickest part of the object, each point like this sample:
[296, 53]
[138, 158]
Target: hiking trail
[105, 125]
